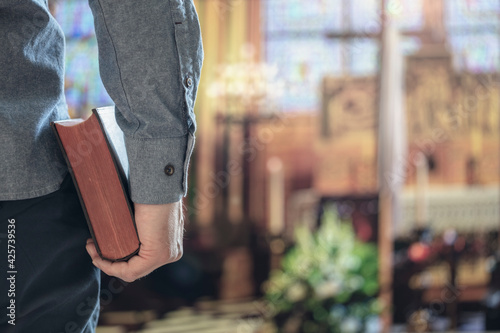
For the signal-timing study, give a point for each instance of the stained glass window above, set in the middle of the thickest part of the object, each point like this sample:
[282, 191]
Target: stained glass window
[303, 16]
[473, 27]
[363, 58]
[302, 41]
[407, 14]
[472, 13]
[303, 38]
[363, 16]
[302, 65]
[83, 86]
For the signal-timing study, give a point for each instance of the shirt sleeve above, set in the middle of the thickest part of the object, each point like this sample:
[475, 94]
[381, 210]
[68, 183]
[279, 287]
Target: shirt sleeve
[150, 58]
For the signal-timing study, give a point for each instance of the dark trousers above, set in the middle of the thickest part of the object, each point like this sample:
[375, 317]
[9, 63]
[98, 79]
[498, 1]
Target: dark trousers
[56, 286]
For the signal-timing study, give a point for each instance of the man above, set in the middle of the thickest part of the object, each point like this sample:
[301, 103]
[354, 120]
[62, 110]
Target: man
[150, 57]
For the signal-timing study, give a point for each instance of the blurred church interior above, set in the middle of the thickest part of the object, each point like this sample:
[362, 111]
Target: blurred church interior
[386, 110]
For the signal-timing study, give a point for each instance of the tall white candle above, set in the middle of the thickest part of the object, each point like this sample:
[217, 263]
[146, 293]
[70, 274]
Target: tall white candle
[276, 191]
[421, 200]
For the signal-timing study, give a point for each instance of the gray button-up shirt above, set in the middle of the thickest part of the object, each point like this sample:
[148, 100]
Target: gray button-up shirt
[150, 58]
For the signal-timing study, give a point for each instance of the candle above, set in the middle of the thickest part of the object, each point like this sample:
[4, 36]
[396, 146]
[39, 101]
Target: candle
[276, 190]
[421, 204]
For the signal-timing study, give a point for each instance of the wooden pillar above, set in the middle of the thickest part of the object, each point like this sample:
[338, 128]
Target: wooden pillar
[237, 30]
[225, 32]
[385, 224]
[208, 12]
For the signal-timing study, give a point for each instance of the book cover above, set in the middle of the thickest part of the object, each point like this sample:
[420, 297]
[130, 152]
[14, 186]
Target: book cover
[95, 152]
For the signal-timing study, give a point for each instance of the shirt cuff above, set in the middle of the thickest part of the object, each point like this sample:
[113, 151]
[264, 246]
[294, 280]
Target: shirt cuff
[158, 168]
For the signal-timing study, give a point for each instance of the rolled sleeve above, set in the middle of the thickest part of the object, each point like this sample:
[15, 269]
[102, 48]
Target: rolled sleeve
[150, 58]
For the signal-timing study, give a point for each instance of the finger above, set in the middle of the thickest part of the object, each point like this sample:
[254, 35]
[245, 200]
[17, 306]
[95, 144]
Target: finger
[129, 271]
[135, 268]
[96, 258]
[90, 247]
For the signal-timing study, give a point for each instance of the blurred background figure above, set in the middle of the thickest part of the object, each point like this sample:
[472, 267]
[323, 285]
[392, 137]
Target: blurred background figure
[346, 175]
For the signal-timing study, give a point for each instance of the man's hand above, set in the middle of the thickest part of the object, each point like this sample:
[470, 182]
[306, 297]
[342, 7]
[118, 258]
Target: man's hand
[161, 229]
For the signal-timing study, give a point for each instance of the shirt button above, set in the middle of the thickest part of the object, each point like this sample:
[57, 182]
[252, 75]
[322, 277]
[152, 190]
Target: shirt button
[189, 81]
[169, 170]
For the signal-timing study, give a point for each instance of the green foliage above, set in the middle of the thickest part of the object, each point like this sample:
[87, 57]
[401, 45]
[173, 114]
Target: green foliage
[328, 281]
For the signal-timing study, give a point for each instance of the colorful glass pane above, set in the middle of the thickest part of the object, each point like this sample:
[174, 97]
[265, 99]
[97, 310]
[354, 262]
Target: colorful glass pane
[467, 13]
[476, 52]
[75, 18]
[297, 43]
[365, 15]
[407, 14]
[83, 86]
[302, 15]
[363, 57]
[473, 27]
[302, 65]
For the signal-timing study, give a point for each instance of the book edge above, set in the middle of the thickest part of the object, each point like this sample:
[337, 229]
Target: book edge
[119, 170]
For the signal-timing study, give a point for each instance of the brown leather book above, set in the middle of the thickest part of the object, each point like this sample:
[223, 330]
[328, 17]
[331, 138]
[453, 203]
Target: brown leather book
[94, 150]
